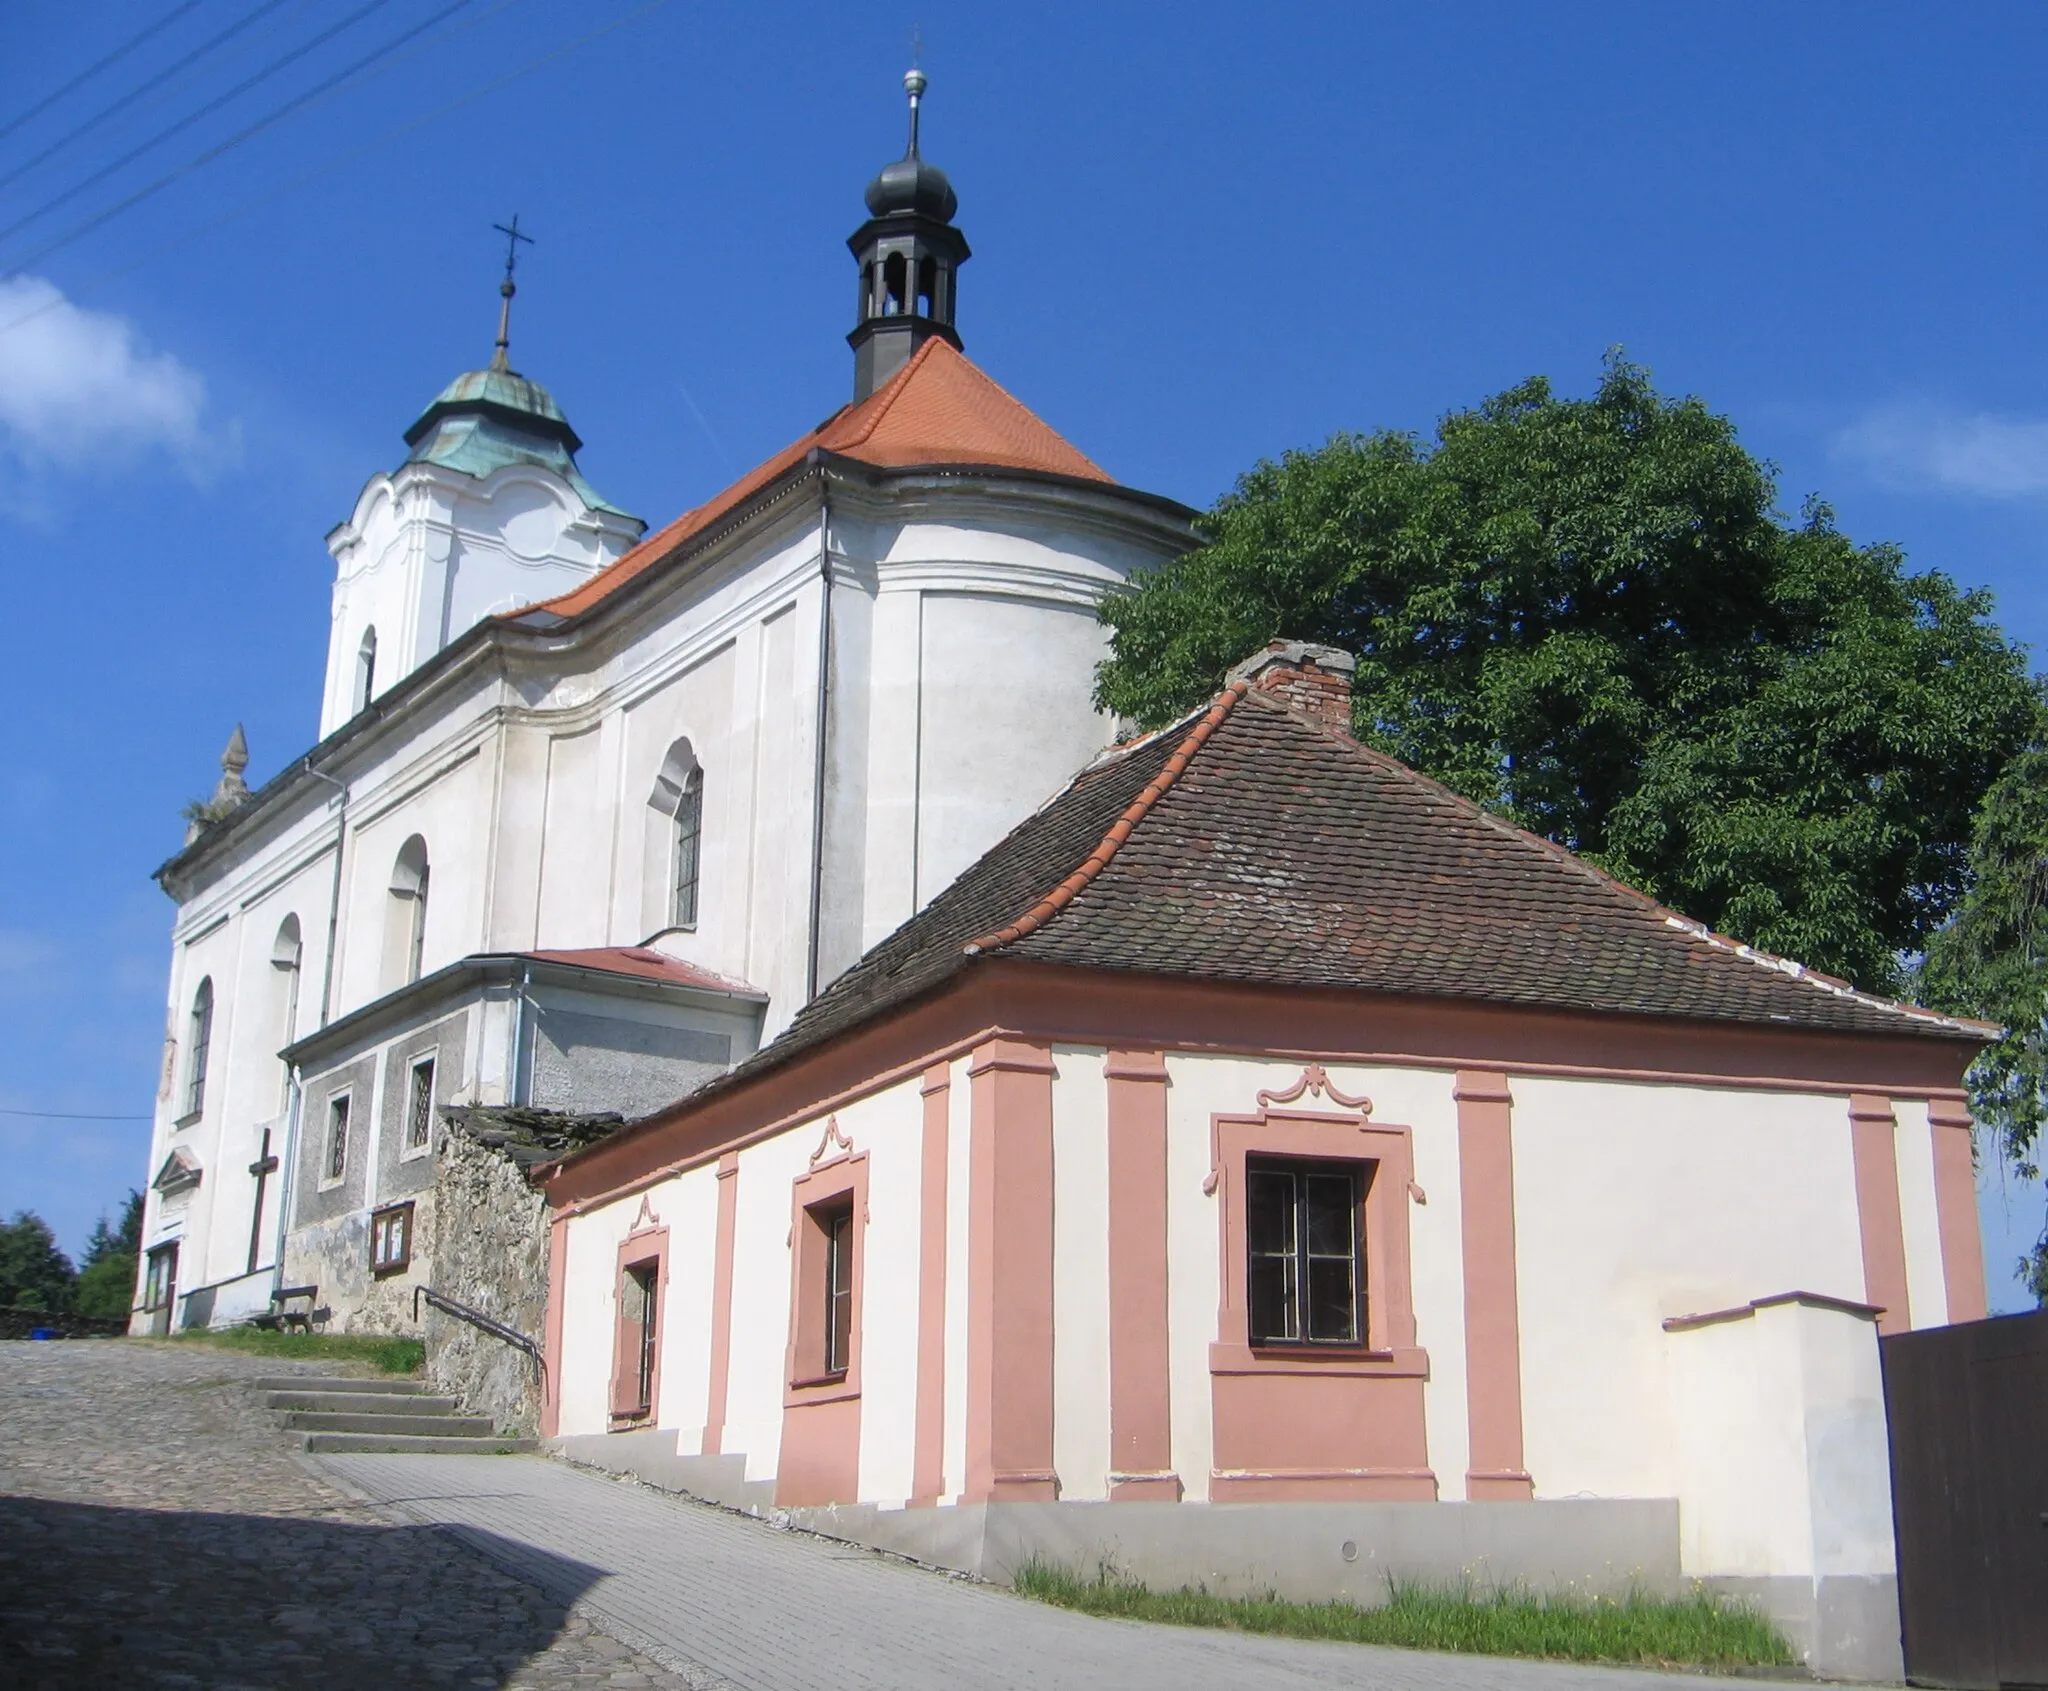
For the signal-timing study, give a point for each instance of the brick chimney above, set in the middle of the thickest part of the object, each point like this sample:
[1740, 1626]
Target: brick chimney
[1314, 680]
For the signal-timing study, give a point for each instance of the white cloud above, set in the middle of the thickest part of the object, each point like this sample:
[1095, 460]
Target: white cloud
[78, 389]
[1928, 447]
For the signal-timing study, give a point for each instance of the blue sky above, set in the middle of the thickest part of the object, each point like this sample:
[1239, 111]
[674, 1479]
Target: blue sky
[1202, 234]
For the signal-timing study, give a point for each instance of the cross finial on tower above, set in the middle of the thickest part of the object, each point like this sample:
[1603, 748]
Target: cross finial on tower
[500, 359]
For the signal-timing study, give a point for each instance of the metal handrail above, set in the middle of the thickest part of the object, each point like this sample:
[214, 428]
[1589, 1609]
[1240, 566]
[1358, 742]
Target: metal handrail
[482, 1322]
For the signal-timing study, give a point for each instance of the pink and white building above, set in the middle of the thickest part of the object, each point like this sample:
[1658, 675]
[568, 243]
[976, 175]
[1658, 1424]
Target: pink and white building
[1264, 1167]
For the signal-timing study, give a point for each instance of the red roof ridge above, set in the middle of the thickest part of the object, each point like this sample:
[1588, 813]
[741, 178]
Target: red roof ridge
[1119, 831]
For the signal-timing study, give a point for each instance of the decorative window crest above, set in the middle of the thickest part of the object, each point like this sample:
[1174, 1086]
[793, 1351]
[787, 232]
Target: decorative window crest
[832, 1136]
[1316, 1083]
[646, 1219]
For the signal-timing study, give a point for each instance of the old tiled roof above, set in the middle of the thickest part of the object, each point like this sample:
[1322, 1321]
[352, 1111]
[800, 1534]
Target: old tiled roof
[645, 963]
[1253, 845]
[938, 410]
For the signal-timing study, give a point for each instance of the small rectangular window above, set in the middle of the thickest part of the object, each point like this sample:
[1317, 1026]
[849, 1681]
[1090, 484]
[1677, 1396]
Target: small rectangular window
[162, 1279]
[1304, 1261]
[391, 1239]
[838, 1228]
[419, 1109]
[641, 1292]
[337, 1135]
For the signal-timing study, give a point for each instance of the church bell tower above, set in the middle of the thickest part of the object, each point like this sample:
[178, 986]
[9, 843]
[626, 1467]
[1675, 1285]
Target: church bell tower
[909, 255]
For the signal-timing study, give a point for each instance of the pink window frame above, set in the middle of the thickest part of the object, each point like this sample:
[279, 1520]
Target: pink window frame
[637, 1250]
[843, 1178]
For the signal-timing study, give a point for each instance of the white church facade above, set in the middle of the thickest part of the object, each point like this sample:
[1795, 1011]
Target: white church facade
[750, 745]
[1226, 1155]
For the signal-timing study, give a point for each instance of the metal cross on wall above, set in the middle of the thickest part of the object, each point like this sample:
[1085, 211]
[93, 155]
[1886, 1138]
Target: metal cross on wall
[262, 1168]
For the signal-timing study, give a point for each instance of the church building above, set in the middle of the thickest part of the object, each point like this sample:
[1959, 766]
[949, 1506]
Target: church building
[1224, 1155]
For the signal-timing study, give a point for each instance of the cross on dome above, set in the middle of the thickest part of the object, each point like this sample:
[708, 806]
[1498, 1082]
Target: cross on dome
[501, 358]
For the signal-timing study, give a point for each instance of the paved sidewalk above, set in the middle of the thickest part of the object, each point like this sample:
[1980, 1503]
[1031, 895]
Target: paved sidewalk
[729, 1601]
[158, 1530]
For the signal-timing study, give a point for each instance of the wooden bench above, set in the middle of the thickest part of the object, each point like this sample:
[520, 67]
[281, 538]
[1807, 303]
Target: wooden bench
[291, 1310]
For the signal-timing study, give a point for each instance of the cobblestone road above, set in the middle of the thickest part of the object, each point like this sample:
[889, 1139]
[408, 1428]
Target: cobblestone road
[157, 1529]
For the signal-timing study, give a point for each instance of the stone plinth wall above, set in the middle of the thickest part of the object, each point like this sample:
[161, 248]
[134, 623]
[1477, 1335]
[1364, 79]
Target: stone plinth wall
[491, 1254]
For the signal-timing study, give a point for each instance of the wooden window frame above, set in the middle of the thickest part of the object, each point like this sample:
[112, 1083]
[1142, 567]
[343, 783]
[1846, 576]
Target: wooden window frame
[1317, 1137]
[828, 1190]
[641, 1251]
[402, 1214]
[1359, 1175]
[160, 1276]
[431, 1063]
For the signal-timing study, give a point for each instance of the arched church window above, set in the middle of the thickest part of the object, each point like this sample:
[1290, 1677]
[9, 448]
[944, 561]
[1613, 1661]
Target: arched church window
[927, 287]
[867, 291]
[678, 796]
[366, 669]
[406, 933]
[201, 1048]
[895, 285]
[285, 954]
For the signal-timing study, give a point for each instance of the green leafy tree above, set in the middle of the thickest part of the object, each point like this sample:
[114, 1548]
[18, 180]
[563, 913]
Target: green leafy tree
[34, 1274]
[1587, 615]
[1991, 960]
[106, 1279]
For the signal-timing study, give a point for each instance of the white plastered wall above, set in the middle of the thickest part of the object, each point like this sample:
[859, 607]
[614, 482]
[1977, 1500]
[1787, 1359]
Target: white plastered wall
[1919, 1215]
[1201, 1087]
[1634, 1203]
[690, 1208]
[590, 1306]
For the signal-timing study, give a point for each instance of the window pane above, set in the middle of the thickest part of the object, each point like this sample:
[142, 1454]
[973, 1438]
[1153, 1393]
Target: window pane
[1272, 1302]
[420, 1116]
[1332, 1213]
[1332, 1300]
[839, 1292]
[1269, 1210]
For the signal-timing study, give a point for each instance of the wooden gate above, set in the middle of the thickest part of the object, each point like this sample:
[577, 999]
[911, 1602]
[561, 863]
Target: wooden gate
[1968, 1409]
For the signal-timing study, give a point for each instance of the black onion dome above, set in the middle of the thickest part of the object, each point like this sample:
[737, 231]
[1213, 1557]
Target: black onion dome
[912, 185]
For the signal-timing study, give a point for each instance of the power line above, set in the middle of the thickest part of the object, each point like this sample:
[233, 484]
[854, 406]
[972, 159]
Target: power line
[190, 118]
[83, 77]
[68, 1115]
[277, 116]
[186, 236]
[148, 87]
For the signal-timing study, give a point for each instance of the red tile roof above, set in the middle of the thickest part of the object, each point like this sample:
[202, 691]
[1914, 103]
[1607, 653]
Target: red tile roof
[647, 964]
[938, 409]
[1253, 844]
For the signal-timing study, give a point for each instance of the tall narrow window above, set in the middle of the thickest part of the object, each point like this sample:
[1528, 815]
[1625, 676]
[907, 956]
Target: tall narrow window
[675, 840]
[285, 953]
[1303, 1256]
[689, 841]
[639, 1326]
[405, 936]
[838, 1226]
[337, 1135]
[419, 1107]
[366, 670]
[201, 1048]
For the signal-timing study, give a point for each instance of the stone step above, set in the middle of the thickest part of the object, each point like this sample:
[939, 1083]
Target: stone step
[383, 1421]
[413, 1444]
[380, 1385]
[361, 1403]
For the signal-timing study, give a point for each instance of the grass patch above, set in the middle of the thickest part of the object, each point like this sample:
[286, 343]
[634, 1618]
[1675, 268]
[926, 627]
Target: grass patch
[387, 1356]
[1695, 1631]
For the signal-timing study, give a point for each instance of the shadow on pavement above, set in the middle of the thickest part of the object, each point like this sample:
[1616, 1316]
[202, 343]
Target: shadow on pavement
[108, 1597]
